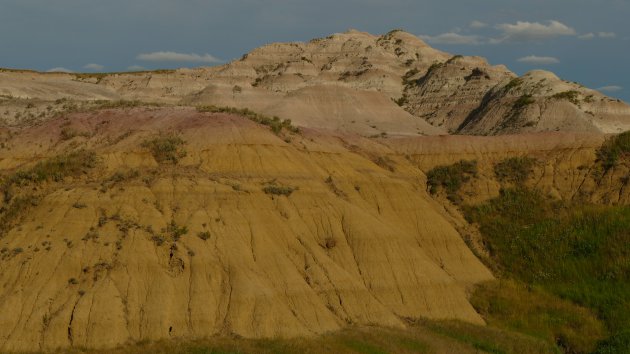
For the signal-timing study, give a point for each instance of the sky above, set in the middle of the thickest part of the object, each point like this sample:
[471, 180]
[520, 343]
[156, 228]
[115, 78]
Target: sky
[586, 41]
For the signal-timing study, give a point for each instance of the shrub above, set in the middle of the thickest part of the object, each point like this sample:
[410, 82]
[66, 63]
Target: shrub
[514, 170]
[204, 235]
[175, 231]
[523, 102]
[451, 178]
[571, 96]
[274, 189]
[274, 123]
[55, 169]
[516, 82]
[614, 149]
[166, 149]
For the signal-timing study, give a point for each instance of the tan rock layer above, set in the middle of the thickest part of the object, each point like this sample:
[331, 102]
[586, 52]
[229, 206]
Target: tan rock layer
[373, 249]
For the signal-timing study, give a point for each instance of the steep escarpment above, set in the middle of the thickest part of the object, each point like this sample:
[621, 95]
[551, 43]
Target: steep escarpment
[168, 223]
[566, 166]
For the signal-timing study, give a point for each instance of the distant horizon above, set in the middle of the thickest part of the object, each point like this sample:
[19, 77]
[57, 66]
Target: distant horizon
[579, 40]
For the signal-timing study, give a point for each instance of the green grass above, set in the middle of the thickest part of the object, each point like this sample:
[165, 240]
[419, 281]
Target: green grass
[451, 178]
[424, 337]
[574, 252]
[613, 150]
[514, 170]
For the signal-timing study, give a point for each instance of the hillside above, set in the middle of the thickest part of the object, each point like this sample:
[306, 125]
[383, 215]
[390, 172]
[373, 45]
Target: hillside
[353, 82]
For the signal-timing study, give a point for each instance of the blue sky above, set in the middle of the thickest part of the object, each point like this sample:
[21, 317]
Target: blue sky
[587, 41]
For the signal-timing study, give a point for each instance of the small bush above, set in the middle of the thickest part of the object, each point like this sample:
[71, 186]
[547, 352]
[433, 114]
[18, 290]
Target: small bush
[451, 178]
[613, 149]
[278, 190]
[516, 82]
[166, 149]
[204, 235]
[274, 123]
[571, 96]
[54, 169]
[523, 102]
[175, 231]
[514, 170]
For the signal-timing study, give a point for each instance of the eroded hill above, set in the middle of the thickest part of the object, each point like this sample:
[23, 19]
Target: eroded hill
[353, 82]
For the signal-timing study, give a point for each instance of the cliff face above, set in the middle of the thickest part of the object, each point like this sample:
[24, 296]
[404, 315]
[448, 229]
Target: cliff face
[353, 82]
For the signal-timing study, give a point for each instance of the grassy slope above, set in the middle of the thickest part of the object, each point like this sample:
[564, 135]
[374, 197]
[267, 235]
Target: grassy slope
[424, 337]
[558, 256]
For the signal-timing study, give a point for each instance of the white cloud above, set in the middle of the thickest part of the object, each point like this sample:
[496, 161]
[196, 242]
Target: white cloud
[59, 70]
[611, 88]
[532, 31]
[179, 57]
[536, 60]
[587, 36]
[592, 35]
[136, 68]
[95, 67]
[453, 38]
[477, 24]
[606, 35]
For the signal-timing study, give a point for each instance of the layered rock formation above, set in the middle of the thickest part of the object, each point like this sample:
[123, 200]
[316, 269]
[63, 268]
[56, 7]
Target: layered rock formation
[352, 82]
[248, 234]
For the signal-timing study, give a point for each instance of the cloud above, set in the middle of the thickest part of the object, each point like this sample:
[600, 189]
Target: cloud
[587, 36]
[477, 24]
[59, 70]
[136, 68]
[532, 31]
[453, 38]
[178, 57]
[95, 67]
[592, 35]
[607, 35]
[536, 60]
[611, 88]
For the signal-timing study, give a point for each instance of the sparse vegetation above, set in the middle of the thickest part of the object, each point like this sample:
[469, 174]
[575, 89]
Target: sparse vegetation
[571, 96]
[614, 149]
[275, 189]
[434, 67]
[451, 178]
[175, 231]
[204, 235]
[523, 102]
[166, 149]
[514, 170]
[514, 83]
[274, 123]
[54, 169]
